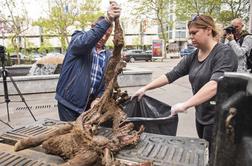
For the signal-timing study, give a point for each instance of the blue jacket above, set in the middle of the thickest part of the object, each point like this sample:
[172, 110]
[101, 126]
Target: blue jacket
[73, 89]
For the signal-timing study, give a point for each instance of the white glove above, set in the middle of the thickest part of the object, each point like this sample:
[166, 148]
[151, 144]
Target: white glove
[178, 108]
[140, 92]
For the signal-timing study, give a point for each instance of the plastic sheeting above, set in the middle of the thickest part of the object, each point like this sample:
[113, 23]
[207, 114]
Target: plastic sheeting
[153, 114]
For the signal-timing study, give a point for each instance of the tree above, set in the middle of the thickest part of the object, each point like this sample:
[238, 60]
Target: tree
[186, 9]
[89, 11]
[153, 9]
[67, 14]
[60, 17]
[17, 20]
[136, 41]
[43, 48]
[234, 9]
[221, 10]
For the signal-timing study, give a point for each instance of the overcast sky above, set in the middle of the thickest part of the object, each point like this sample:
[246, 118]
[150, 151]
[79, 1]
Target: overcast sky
[37, 9]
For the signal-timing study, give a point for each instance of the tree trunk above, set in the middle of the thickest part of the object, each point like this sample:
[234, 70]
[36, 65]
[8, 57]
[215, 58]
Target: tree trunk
[78, 143]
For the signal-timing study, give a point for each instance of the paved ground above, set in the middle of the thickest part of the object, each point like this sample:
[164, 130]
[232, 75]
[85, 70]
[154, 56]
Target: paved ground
[44, 105]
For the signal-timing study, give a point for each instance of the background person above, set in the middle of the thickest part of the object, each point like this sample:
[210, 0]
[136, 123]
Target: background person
[81, 80]
[204, 67]
[241, 43]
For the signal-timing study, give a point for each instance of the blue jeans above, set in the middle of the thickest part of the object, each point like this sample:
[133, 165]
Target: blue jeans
[66, 114]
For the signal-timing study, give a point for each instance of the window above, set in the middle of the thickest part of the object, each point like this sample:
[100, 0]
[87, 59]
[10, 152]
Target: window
[171, 18]
[180, 26]
[180, 34]
[170, 35]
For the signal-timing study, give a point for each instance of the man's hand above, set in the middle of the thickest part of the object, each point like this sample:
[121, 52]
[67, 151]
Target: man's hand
[230, 37]
[139, 93]
[113, 12]
[94, 102]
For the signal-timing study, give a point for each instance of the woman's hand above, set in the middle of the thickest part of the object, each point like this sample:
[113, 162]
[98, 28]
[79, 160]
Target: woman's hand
[178, 108]
[158, 82]
[140, 92]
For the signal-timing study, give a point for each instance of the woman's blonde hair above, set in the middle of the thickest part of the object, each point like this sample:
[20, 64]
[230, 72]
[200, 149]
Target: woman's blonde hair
[203, 21]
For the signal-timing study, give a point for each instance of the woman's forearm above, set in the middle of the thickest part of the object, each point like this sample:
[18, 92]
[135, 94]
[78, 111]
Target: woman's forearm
[158, 82]
[205, 93]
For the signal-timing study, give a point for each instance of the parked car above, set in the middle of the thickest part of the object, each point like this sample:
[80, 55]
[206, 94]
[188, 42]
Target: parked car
[136, 54]
[149, 51]
[187, 51]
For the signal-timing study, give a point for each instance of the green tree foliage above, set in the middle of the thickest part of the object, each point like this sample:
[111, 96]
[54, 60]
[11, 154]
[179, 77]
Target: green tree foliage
[61, 16]
[66, 14]
[153, 9]
[186, 9]
[89, 11]
[136, 41]
[234, 9]
[221, 10]
[45, 47]
[10, 47]
[15, 16]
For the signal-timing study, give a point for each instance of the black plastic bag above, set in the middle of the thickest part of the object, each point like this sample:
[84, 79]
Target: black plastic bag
[154, 115]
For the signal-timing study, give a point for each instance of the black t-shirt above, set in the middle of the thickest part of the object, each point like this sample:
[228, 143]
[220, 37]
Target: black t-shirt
[221, 59]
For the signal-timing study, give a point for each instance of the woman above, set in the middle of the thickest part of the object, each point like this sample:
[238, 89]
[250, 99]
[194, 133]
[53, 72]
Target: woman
[204, 67]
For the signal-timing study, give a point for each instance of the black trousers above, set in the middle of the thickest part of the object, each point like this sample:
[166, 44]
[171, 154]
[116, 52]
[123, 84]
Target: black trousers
[205, 132]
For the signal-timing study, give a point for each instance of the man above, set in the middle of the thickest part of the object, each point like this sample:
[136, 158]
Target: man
[81, 80]
[241, 43]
